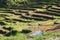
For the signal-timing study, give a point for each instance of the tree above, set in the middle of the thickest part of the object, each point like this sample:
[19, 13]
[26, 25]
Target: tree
[3, 3]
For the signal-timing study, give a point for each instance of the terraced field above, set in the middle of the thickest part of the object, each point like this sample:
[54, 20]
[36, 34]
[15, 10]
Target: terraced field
[30, 16]
[33, 18]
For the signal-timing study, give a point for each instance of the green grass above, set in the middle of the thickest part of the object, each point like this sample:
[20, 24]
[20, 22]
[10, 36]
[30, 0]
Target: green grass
[15, 25]
[19, 36]
[47, 35]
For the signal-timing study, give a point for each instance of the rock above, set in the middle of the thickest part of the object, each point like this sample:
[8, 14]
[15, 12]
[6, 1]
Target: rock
[36, 33]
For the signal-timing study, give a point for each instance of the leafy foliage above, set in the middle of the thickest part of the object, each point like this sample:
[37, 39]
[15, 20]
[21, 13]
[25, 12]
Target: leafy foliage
[14, 3]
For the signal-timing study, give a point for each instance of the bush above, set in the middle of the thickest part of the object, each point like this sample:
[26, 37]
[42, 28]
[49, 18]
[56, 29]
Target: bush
[14, 3]
[3, 3]
[10, 3]
[26, 31]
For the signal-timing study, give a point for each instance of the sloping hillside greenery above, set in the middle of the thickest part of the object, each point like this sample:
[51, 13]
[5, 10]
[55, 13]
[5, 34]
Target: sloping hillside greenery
[20, 18]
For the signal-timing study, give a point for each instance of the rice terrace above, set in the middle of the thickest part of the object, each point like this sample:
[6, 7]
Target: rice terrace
[29, 19]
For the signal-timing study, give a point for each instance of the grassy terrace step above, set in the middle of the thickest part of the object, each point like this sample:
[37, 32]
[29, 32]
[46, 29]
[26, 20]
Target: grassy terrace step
[17, 7]
[29, 9]
[44, 15]
[35, 18]
[6, 11]
[49, 13]
[26, 11]
[54, 11]
[56, 8]
[36, 6]
[23, 11]
[10, 12]
[20, 20]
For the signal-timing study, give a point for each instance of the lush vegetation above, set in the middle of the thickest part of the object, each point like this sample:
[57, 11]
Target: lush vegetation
[17, 23]
[14, 3]
[47, 36]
